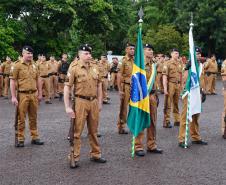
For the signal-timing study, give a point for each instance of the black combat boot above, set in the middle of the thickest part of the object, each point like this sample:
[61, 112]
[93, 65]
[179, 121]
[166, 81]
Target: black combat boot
[60, 97]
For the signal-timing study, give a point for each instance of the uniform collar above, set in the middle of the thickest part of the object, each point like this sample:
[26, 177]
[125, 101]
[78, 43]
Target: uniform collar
[26, 63]
[173, 61]
[129, 58]
[42, 62]
[82, 64]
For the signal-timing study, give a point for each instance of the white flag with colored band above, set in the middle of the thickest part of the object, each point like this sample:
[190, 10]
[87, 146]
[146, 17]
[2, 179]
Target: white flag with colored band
[195, 96]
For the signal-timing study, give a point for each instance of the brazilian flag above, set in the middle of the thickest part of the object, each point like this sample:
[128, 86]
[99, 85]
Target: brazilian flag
[139, 110]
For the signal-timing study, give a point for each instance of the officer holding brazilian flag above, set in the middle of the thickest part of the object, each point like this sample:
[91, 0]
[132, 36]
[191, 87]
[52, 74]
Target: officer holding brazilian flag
[143, 98]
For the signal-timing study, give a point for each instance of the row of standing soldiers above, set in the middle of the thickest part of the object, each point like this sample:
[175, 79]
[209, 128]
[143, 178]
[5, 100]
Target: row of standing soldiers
[26, 83]
[53, 74]
[170, 80]
[85, 81]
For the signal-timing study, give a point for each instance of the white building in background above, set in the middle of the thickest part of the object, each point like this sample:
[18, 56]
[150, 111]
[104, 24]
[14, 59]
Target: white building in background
[112, 56]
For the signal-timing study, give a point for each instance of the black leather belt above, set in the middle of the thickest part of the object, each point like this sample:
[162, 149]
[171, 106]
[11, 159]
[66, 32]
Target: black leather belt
[175, 82]
[28, 92]
[210, 73]
[90, 98]
[45, 76]
[51, 74]
[5, 75]
[126, 83]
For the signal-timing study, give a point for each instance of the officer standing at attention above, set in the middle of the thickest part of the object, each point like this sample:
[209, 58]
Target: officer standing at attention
[44, 68]
[53, 76]
[153, 103]
[172, 79]
[104, 69]
[6, 66]
[160, 63]
[86, 80]
[25, 74]
[114, 72]
[194, 125]
[124, 81]
[211, 71]
[62, 71]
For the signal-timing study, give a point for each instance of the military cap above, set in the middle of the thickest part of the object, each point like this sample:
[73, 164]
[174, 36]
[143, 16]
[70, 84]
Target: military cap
[198, 50]
[130, 45]
[175, 49]
[28, 48]
[148, 46]
[85, 47]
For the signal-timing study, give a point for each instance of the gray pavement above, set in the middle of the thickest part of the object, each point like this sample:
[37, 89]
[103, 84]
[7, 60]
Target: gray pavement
[41, 165]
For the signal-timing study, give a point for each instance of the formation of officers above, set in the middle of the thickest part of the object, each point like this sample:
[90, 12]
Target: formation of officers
[86, 81]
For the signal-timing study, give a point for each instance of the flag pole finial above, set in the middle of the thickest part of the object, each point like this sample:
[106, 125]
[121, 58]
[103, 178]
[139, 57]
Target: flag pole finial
[140, 14]
[191, 24]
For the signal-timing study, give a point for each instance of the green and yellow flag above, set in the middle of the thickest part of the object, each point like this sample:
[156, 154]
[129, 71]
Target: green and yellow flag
[139, 111]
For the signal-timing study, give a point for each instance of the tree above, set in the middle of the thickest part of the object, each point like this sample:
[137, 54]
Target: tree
[210, 23]
[166, 38]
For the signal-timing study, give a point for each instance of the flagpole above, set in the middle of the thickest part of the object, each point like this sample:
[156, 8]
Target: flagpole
[188, 101]
[140, 14]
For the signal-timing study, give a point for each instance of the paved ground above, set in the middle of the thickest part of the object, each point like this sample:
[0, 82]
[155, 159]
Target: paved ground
[199, 165]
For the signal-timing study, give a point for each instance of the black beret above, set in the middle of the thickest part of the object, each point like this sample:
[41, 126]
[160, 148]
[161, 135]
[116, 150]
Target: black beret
[28, 48]
[148, 46]
[174, 49]
[85, 47]
[130, 45]
[198, 50]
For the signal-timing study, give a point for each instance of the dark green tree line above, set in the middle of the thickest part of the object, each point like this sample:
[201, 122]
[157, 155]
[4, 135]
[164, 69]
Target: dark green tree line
[57, 26]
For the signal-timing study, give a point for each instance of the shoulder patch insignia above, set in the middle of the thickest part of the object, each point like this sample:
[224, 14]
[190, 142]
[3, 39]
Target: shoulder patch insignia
[11, 69]
[94, 70]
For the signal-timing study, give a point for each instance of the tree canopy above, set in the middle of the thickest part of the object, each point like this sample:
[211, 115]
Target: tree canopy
[57, 26]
